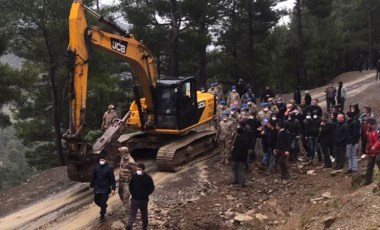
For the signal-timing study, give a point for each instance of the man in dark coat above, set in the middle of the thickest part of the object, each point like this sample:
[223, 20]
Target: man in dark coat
[140, 187]
[293, 126]
[239, 156]
[103, 182]
[266, 94]
[282, 149]
[340, 141]
[307, 97]
[297, 95]
[353, 136]
[326, 136]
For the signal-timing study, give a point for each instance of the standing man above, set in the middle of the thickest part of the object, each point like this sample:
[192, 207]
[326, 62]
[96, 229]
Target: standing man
[297, 95]
[326, 135]
[239, 157]
[364, 127]
[266, 94]
[233, 96]
[340, 140]
[103, 182]
[353, 136]
[108, 117]
[282, 149]
[330, 96]
[373, 149]
[225, 133]
[140, 187]
[341, 95]
[307, 98]
[127, 169]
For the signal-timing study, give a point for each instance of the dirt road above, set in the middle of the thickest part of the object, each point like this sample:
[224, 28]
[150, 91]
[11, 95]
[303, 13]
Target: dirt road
[72, 208]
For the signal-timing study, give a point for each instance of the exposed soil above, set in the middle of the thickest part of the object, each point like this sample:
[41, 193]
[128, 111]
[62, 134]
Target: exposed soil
[200, 196]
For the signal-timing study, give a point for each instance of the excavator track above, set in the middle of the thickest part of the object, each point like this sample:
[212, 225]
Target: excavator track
[186, 149]
[174, 152]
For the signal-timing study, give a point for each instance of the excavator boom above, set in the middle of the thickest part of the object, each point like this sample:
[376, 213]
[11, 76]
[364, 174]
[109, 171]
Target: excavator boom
[170, 107]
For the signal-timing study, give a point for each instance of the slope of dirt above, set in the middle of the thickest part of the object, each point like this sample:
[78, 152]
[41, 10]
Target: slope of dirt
[200, 196]
[38, 187]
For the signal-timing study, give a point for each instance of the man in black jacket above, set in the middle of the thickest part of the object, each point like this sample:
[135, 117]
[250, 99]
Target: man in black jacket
[340, 141]
[293, 126]
[239, 156]
[312, 133]
[353, 136]
[297, 95]
[140, 187]
[103, 182]
[326, 136]
[282, 149]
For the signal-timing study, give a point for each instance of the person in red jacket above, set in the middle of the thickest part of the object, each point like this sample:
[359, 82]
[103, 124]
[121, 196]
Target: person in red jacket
[373, 149]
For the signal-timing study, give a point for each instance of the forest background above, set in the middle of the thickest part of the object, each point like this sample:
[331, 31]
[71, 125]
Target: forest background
[222, 40]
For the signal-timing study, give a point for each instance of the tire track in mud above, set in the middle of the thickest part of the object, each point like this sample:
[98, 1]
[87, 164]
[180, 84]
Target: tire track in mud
[52, 208]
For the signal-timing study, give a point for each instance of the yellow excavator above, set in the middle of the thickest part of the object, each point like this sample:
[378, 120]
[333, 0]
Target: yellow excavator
[170, 117]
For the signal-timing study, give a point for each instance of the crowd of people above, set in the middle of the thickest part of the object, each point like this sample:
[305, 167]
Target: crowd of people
[280, 128]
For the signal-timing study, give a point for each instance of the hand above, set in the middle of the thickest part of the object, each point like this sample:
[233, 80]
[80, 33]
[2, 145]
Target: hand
[286, 153]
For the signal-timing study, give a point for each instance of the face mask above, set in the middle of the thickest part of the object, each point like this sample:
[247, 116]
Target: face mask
[274, 118]
[308, 117]
[315, 116]
[352, 110]
[139, 172]
[266, 109]
[232, 113]
[102, 162]
[225, 119]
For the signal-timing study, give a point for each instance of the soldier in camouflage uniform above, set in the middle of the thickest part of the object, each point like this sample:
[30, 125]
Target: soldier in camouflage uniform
[265, 113]
[233, 96]
[225, 132]
[251, 106]
[213, 90]
[234, 116]
[127, 169]
[220, 95]
[220, 110]
[108, 117]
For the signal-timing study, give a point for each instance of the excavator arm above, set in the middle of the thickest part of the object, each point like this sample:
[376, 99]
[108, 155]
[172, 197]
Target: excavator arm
[172, 107]
[81, 36]
[82, 155]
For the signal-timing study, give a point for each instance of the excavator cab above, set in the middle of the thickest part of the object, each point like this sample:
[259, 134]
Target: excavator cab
[176, 103]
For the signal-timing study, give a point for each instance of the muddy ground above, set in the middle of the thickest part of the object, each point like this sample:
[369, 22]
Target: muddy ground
[201, 197]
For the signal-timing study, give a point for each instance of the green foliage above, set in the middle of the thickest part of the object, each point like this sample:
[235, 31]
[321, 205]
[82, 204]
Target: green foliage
[14, 168]
[42, 157]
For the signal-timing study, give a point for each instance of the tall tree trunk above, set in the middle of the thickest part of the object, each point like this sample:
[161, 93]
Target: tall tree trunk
[56, 119]
[55, 101]
[202, 57]
[173, 40]
[234, 48]
[301, 76]
[251, 49]
[370, 60]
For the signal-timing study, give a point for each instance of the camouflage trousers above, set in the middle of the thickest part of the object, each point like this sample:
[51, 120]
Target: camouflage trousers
[226, 150]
